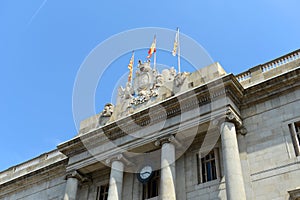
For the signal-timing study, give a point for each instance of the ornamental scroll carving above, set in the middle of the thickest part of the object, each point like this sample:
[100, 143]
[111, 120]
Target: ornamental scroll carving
[231, 116]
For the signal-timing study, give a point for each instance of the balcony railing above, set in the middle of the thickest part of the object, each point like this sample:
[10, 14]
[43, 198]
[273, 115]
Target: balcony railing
[243, 76]
[261, 69]
[281, 61]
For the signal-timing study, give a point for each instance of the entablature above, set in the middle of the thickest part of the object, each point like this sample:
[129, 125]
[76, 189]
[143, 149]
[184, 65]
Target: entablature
[182, 114]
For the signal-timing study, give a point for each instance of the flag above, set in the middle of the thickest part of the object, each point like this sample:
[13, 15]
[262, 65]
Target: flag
[176, 41]
[152, 48]
[130, 67]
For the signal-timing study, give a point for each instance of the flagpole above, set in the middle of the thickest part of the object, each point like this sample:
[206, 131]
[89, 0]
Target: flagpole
[154, 60]
[155, 53]
[178, 54]
[132, 68]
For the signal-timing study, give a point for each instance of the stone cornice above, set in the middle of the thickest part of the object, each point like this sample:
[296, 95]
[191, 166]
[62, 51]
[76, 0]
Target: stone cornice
[230, 115]
[31, 167]
[49, 172]
[226, 86]
[168, 139]
[119, 157]
[271, 88]
[78, 176]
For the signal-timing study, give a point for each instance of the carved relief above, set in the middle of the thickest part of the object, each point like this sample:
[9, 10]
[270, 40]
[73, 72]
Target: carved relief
[231, 116]
[180, 78]
[108, 110]
[169, 74]
[147, 84]
[127, 92]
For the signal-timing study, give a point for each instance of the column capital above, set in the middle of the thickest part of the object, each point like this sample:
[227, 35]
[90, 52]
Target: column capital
[295, 194]
[168, 139]
[231, 116]
[77, 175]
[118, 157]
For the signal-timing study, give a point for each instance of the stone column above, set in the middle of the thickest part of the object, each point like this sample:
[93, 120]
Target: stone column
[168, 173]
[116, 177]
[72, 185]
[235, 189]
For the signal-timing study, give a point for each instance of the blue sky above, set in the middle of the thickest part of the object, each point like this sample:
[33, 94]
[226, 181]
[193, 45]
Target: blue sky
[43, 44]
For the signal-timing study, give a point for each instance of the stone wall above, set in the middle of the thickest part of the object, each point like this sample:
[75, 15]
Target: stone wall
[47, 189]
[274, 169]
[42, 177]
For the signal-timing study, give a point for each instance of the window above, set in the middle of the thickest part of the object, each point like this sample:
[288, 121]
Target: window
[102, 192]
[208, 166]
[151, 188]
[295, 133]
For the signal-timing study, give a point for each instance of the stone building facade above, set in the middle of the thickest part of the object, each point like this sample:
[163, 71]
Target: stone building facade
[201, 135]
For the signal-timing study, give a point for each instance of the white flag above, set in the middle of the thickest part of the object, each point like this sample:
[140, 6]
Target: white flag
[175, 47]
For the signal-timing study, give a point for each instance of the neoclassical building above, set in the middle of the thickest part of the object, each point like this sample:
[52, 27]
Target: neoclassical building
[200, 135]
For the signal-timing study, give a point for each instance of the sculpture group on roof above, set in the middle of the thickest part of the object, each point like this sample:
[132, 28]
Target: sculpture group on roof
[146, 86]
[144, 89]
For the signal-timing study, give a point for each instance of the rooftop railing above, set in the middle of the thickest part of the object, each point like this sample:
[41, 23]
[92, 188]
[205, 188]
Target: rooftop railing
[266, 67]
[281, 61]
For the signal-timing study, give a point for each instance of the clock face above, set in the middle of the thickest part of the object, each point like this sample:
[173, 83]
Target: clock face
[145, 174]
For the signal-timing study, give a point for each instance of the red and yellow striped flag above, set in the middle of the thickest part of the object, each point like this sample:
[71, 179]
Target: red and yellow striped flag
[130, 67]
[152, 48]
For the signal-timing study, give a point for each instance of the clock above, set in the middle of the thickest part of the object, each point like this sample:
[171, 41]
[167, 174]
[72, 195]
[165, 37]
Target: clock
[145, 174]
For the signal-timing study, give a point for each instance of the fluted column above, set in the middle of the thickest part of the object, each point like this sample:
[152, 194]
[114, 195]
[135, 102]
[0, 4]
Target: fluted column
[72, 185]
[235, 189]
[116, 177]
[168, 173]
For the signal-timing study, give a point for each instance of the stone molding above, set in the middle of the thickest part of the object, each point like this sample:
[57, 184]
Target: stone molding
[174, 106]
[118, 157]
[231, 116]
[77, 175]
[45, 160]
[271, 88]
[168, 139]
[25, 181]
